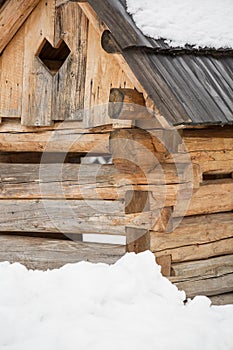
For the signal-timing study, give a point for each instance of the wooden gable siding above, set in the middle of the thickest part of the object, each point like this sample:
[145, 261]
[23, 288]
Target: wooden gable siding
[31, 92]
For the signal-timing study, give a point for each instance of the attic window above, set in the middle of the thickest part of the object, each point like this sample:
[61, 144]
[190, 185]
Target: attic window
[53, 57]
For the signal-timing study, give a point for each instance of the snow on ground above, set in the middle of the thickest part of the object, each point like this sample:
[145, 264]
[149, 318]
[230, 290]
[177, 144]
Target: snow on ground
[204, 23]
[124, 306]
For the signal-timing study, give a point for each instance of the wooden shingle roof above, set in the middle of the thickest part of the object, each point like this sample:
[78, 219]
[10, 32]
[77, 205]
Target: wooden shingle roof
[188, 86]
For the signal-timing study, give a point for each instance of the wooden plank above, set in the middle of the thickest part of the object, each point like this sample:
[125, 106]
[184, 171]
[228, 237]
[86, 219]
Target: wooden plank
[38, 81]
[195, 231]
[69, 83]
[103, 72]
[203, 141]
[222, 299]
[55, 141]
[58, 180]
[74, 216]
[32, 181]
[207, 268]
[43, 254]
[199, 251]
[218, 162]
[212, 197]
[15, 126]
[11, 81]
[12, 16]
[207, 286]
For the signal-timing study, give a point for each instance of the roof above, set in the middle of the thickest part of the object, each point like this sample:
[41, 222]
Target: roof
[189, 86]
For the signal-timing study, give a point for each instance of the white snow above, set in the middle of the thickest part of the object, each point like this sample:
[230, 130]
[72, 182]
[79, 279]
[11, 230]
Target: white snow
[203, 23]
[126, 306]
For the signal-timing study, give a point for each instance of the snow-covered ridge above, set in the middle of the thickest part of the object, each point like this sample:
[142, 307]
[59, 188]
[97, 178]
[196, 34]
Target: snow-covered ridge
[126, 306]
[202, 23]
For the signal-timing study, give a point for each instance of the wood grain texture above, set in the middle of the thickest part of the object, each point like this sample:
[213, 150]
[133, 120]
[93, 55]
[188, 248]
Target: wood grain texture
[207, 286]
[212, 197]
[12, 16]
[43, 254]
[38, 81]
[74, 216]
[193, 232]
[207, 268]
[11, 78]
[69, 82]
[54, 141]
[222, 299]
[103, 73]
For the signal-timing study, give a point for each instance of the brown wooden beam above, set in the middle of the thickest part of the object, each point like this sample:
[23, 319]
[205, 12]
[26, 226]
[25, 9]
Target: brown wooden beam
[127, 104]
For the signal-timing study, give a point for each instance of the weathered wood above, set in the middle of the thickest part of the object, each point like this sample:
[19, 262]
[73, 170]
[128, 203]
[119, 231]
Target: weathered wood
[72, 216]
[103, 72]
[207, 286]
[165, 262]
[108, 43]
[210, 162]
[219, 162]
[12, 76]
[208, 140]
[199, 251]
[222, 299]
[12, 16]
[52, 179]
[38, 81]
[135, 150]
[128, 104]
[207, 268]
[69, 83]
[137, 240]
[43, 254]
[192, 233]
[163, 222]
[55, 141]
[212, 197]
[136, 202]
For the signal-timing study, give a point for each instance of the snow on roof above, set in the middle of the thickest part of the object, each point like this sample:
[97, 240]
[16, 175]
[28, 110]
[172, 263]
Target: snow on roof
[202, 23]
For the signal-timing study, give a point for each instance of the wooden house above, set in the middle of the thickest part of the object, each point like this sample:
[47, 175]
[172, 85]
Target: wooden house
[78, 78]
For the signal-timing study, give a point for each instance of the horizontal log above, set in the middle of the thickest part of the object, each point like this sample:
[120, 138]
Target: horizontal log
[127, 104]
[87, 181]
[43, 254]
[201, 201]
[219, 162]
[63, 216]
[199, 251]
[55, 141]
[222, 299]
[210, 162]
[207, 286]
[213, 267]
[195, 231]
[70, 216]
[212, 197]
[204, 141]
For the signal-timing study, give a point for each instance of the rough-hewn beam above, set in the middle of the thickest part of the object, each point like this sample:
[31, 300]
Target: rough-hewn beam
[127, 104]
[43, 254]
[12, 16]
